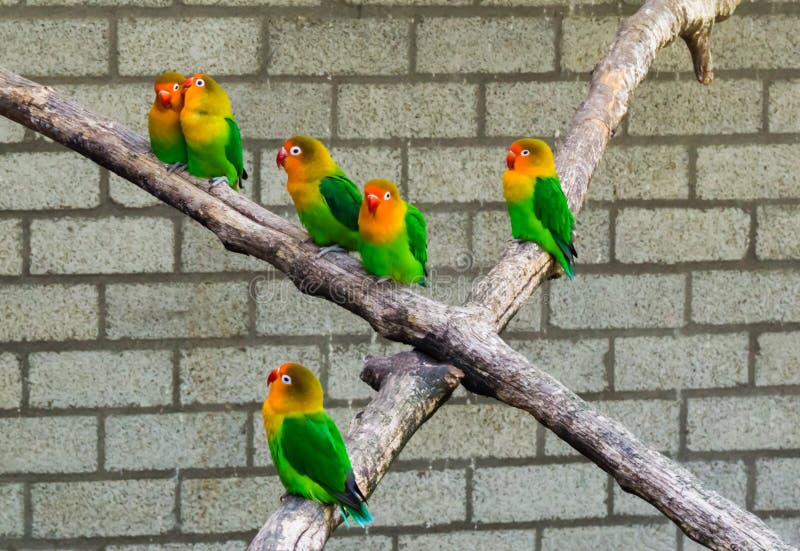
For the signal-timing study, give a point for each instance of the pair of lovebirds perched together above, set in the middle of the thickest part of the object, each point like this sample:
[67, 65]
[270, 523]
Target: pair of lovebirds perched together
[192, 126]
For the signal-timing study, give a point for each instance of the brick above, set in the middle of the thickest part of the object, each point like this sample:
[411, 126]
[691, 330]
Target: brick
[745, 297]
[491, 236]
[126, 104]
[202, 251]
[591, 236]
[776, 226]
[470, 431]
[743, 423]
[778, 359]
[448, 241]
[128, 245]
[539, 2]
[423, 498]
[344, 46]
[699, 361]
[577, 490]
[346, 363]
[529, 317]
[127, 194]
[577, 364]
[758, 42]
[531, 108]
[12, 522]
[642, 172]
[40, 445]
[103, 508]
[143, 40]
[339, 542]
[207, 377]
[44, 186]
[748, 172]
[254, 2]
[365, 163]
[445, 110]
[455, 174]
[787, 528]
[48, 312]
[683, 107]
[590, 538]
[279, 305]
[100, 378]
[232, 545]
[146, 3]
[10, 382]
[485, 45]
[776, 484]
[171, 310]
[784, 104]
[228, 504]
[81, 48]
[278, 110]
[10, 131]
[653, 421]
[10, 247]
[727, 478]
[175, 440]
[507, 540]
[408, 2]
[604, 301]
[584, 41]
[695, 235]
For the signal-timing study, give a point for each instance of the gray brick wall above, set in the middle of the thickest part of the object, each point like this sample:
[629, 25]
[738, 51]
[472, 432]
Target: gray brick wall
[134, 349]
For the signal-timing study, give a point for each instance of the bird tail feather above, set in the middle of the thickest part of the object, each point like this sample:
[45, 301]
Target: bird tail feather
[362, 515]
[568, 250]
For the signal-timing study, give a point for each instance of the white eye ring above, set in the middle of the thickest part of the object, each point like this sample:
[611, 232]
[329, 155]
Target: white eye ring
[295, 150]
[176, 87]
[525, 153]
[387, 195]
[285, 379]
[199, 82]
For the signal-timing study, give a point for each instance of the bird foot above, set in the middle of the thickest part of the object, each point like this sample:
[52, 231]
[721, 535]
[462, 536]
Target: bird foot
[330, 249]
[175, 167]
[219, 180]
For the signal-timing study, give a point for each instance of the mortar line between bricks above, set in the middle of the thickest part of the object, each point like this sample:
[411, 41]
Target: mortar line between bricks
[175, 358]
[539, 536]
[178, 512]
[334, 116]
[765, 105]
[678, 538]
[610, 361]
[683, 425]
[250, 445]
[113, 48]
[412, 44]
[27, 509]
[750, 491]
[691, 172]
[752, 234]
[25, 222]
[753, 349]
[609, 495]
[177, 245]
[469, 494]
[102, 312]
[101, 442]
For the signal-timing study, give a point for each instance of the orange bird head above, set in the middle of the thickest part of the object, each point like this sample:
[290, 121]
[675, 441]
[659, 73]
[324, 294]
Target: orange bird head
[532, 157]
[381, 198]
[294, 389]
[304, 158]
[169, 91]
[203, 92]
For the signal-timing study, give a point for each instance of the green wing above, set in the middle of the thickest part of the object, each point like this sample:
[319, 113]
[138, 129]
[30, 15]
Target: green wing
[233, 150]
[312, 445]
[550, 206]
[417, 236]
[343, 199]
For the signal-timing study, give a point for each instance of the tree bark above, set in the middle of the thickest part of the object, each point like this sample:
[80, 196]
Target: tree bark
[465, 337]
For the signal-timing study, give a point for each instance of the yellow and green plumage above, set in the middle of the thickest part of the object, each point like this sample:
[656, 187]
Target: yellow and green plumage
[213, 140]
[327, 202]
[536, 203]
[164, 119]
[393, 235]
[306, 447]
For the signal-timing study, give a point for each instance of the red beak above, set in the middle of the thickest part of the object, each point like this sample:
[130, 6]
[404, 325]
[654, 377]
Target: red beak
[372, 203]
[187, 83]
[510, 158]
[281, 158]
[272, 376]
[165, 98]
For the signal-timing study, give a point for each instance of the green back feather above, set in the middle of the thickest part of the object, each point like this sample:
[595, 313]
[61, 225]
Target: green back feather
[343, 199]
[417, 236]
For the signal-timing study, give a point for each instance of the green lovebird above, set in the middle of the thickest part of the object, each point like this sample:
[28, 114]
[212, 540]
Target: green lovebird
[393, 237]
[212, 136]
[536, 203]
[306, 446]
[164, 121]
[326, 201]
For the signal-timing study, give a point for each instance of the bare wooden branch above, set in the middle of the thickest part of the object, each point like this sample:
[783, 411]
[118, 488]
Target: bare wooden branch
[467, 336]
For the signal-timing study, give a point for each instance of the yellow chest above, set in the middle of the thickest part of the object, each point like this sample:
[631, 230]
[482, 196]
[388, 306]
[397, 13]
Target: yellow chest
[202, 128]
[384, 227]
[163, 123]
[303, 194]
[517, 187]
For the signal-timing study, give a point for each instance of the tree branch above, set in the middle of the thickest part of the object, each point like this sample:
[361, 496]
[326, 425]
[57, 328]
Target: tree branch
[466, 336]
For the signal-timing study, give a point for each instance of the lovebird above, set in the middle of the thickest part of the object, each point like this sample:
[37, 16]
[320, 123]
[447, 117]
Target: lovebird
[536, 203]
[306, 446]
[327, 202]
[164, 121]
[393, 237]
[212, 136]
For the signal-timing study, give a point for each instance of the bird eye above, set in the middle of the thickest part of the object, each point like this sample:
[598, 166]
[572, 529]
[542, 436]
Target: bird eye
[525, 152]
[199, 82]
[295, 150]
[176, 87]
[387, 195]
[285, 379]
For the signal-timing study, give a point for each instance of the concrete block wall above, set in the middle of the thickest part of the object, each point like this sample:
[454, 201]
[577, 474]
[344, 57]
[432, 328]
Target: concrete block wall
[134, 349]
